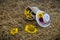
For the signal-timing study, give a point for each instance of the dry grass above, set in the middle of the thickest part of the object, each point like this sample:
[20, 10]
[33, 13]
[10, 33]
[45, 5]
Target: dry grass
[12, 15]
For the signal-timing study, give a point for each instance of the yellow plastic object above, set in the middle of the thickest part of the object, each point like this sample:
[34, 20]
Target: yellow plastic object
[27, 14]
[30, 29]
[14, 31]
[40, 14]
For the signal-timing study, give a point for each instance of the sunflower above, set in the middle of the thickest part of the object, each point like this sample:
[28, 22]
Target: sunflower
[27, 14]
[14, 31]
[30, 28]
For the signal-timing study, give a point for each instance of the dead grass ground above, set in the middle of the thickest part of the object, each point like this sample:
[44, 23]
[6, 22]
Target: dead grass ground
[12, 15]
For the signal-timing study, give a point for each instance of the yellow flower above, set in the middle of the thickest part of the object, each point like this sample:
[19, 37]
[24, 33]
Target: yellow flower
[40, 14]
[30, 29]
[27, 14]
[14, 31]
